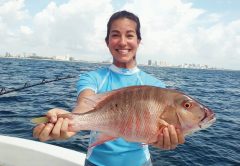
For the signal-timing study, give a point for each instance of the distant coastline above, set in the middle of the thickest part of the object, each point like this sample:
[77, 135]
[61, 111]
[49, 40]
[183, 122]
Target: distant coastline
[52, 59]
[108, 62]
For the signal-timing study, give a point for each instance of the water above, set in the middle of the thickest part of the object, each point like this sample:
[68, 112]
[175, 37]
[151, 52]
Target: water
[217, 145]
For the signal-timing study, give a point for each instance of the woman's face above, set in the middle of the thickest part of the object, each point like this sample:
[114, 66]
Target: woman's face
[123, 42]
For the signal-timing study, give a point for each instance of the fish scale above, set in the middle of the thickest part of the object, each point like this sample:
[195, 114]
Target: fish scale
[133, 124]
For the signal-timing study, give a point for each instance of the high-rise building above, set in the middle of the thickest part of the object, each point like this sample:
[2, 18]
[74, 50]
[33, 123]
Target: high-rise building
[149, 62]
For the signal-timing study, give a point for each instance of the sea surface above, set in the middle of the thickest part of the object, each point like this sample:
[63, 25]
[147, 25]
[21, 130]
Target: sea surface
[218, 145]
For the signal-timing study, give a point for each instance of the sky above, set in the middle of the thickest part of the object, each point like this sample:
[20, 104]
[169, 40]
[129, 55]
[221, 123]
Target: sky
[203, 32]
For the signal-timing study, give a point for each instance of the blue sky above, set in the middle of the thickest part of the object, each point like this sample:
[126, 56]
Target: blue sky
[41, 4]
[228, 8]
[217, 5]
[35, 6]
[174, 31]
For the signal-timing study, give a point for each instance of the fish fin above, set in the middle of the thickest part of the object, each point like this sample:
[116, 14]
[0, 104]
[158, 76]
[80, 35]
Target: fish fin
[101, 139]
[86, 105]
[90, 103]
[100, 98]
[161, 125]
[93, 102]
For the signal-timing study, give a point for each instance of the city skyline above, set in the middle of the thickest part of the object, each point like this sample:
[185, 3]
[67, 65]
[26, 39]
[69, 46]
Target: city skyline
[149, 62]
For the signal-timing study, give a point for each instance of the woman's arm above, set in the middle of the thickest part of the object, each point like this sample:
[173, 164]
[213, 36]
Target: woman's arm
[57, 128]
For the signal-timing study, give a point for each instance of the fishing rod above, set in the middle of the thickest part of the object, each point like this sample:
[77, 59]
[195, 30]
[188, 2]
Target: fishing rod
[4, 90]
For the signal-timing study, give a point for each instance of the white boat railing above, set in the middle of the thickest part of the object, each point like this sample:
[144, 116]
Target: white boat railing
[22, 152]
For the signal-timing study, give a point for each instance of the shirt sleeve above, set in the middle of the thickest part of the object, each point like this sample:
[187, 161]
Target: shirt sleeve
[86, 81]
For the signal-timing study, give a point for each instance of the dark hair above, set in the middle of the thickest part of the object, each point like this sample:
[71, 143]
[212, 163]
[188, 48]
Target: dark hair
[123, 14]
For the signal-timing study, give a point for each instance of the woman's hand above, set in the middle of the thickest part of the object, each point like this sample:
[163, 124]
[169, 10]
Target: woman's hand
[170, 138]
[56, 128]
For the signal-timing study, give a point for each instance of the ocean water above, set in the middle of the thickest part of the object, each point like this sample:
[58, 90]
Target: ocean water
[219, 90]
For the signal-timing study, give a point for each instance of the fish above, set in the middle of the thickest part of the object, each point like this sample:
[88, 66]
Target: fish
[138, 114]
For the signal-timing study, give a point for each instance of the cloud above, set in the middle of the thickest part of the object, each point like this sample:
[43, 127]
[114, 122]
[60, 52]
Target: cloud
[73, 28]
[178, 33]
[12, 15]
[172, 31]
[12, 12]
[25, 30]
[76, 28]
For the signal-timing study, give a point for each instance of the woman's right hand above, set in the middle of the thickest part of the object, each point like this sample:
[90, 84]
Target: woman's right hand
[56, 128]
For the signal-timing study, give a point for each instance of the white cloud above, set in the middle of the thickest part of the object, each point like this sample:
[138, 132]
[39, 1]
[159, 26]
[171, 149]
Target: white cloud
[75, 27]
[11, 12]
[12, 16]
[26, 30]
[172, 31]
[176, 32]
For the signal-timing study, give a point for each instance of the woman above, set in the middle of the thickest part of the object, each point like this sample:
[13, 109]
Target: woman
[123, 38]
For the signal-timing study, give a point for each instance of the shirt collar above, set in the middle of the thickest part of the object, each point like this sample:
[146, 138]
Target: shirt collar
[124, 71]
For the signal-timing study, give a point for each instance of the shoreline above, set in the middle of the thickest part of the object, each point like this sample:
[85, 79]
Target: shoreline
[83, 61]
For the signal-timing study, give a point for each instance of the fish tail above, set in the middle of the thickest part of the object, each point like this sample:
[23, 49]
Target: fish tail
[39, 120]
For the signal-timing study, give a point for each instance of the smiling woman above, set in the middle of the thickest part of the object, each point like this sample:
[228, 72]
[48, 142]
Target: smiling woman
[123, 42]
[123, 38]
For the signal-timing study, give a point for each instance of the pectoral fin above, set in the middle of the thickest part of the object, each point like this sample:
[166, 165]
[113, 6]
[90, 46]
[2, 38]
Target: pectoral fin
[161, 125]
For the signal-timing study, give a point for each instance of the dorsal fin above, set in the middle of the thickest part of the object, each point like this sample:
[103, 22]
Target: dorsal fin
[90, 103]
[96, 101]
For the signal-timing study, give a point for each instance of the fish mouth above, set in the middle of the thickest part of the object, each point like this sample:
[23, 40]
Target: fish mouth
[208, 119]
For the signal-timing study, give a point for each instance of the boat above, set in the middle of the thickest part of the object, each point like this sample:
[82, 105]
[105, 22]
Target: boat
[23, 152]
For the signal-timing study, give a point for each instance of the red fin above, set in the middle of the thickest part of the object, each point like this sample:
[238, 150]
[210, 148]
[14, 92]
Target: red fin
[101, 139]
[85, 106]
[161, 125]
[89, 103]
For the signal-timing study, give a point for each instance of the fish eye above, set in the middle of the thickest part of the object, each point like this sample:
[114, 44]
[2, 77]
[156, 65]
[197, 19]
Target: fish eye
[187, 104]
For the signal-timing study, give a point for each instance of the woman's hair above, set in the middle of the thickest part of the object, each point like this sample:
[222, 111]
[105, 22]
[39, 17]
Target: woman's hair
[123, 14]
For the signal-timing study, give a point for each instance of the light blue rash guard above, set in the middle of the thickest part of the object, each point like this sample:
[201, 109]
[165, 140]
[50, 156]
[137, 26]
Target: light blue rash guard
[117, 152]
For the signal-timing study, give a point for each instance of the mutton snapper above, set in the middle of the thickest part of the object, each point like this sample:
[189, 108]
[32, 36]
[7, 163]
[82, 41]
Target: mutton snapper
[136, 114]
